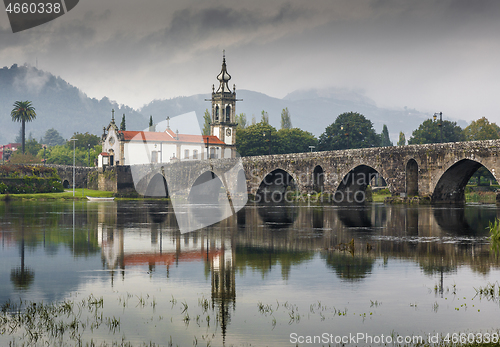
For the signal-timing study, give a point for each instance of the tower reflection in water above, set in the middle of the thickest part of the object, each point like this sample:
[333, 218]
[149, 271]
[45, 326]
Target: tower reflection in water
[127, 243]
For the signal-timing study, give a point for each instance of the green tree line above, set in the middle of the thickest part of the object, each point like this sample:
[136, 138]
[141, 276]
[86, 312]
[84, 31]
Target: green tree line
[54, 149]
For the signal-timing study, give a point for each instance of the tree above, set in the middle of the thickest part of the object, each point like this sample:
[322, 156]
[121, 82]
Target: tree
[151, 124]
[206, 123]
[63, 155]
[241, 119]
[257, 139]
[254, 121]
[53, 138]
[385, 140]
[402, 139]
[23, 112]
[286, 120]
[33, 147]
[83, 140]
[295, 141]
[429, 132]
[482, 172]
[350, 130]
[265, 117]
[481, 129]
[123, 126]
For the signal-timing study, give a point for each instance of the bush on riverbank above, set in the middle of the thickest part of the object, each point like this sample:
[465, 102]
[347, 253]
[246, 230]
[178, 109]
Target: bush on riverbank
[28, 179]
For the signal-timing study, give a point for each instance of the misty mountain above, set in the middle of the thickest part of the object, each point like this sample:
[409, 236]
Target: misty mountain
[57, 104]
[311, 110]
[64, 107]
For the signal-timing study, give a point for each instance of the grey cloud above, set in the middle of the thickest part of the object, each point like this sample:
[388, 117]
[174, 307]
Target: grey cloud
[190, 25]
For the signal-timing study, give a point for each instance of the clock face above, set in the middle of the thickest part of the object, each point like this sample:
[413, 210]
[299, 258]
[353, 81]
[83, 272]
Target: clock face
[111, 141]
[228, 132]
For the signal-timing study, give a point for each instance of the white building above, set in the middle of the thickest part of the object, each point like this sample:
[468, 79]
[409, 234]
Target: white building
[140, 147]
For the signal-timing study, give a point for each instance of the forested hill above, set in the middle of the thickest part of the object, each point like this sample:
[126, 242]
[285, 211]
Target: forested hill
[67, 109]
[58, 105]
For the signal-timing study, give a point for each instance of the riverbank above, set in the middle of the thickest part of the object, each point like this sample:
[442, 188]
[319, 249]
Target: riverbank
[481, 197]
[80, 194]
[486, 197]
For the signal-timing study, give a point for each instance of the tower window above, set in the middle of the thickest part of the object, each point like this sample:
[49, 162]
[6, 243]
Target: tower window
[217, 112]
[228, 113]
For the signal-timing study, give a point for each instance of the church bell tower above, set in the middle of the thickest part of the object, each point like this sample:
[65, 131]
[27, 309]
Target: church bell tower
[223, 123]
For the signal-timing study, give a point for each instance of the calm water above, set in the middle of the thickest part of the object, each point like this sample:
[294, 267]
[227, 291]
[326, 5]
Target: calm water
[268, 276]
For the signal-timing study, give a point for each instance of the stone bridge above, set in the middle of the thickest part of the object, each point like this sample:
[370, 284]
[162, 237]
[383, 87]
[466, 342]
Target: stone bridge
[65, 172]
[438, 171]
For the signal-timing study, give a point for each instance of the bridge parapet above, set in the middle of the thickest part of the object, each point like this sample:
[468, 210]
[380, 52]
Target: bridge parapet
[440, 171]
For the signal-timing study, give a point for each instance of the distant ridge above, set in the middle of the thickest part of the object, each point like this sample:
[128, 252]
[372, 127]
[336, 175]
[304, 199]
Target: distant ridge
[58, 105]
[64, 107]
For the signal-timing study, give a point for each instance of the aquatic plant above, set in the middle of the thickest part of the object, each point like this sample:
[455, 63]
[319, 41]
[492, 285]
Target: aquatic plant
[490, 292]
[41, 323]
[494, 228]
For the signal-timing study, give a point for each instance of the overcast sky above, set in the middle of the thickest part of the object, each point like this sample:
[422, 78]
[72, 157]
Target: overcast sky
[432, 55]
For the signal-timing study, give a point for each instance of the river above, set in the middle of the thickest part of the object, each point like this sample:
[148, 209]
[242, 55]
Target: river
[271, 275]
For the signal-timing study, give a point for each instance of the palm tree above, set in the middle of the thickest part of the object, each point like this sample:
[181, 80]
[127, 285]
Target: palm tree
[23, 112]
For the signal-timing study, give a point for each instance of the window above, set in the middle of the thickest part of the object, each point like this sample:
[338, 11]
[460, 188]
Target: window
[212, 152]
[186, 154]
[217, 112]
[154, 156]
[195, 154]
[228, 113]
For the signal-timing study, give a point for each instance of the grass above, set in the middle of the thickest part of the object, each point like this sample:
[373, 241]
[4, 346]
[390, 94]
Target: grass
[494, 229]
[482, 197]
[74, 322]
[66, 195]
[380, 195]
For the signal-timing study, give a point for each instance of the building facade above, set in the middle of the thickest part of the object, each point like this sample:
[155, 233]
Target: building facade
[121, 147]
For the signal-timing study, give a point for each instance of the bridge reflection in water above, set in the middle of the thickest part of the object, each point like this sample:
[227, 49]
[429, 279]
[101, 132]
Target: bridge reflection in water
[348, 238]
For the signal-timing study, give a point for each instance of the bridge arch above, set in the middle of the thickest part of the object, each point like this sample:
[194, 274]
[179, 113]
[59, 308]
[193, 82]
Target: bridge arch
[352, 187]
[318, 179]
[411, 177]
[157, 187]
[450, 187]
[206, 189]
[274, 186]
[241, 181]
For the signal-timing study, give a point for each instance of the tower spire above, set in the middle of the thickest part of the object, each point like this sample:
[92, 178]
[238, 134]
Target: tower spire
[223, 76]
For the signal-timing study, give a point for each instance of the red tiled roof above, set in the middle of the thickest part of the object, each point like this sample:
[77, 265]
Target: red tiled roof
[11, 145]
[168, 136]
[167, 258]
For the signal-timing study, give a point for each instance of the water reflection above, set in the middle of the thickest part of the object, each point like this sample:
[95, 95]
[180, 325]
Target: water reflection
[126, 234]
[278, 216]
[121, 239]
[22, 276]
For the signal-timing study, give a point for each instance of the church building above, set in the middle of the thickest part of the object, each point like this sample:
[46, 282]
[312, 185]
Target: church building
[121, 147]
